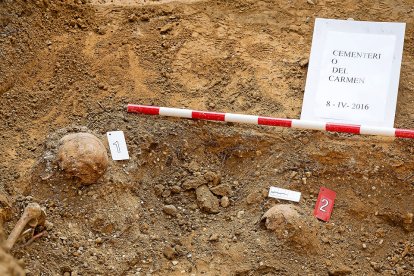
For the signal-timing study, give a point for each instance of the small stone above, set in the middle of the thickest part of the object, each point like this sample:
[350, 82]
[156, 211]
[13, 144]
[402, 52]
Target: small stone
[132, 18]
[304, 180]
[221, 190]
[254, 197]
[206, 200]
[240, 214]
[48, 225]
[213, 177]
[158, 189]
[193, 183]
[310, 2]
[144, 18]
[175, 189]
[408, 218]
[303, 62]
[308, 174]
[175, 262]
[101, 30]
[167, 28]
[98, 240]
[364, 246]
[214, 237]
[170, 210]
[169, 252]
[340, 270]
[225, 202]
[166, 193]
[102, 86]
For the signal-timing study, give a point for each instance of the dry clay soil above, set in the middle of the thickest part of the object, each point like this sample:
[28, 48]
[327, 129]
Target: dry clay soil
[70, 66]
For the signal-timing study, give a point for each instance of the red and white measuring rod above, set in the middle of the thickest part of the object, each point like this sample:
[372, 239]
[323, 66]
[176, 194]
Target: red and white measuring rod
[269, 121]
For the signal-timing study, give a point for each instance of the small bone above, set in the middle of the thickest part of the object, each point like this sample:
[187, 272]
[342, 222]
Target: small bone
[33, 216]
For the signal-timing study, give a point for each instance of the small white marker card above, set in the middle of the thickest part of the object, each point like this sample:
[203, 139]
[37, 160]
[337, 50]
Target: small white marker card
[280, 193]
[117, 145]
[354, 72]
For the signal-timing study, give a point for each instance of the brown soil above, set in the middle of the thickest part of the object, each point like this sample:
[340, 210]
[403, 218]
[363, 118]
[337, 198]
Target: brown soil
[71, 66]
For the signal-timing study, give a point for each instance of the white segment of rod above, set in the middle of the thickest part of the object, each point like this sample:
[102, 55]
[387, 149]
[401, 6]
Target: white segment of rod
[240, 118]
[176, 112]
[308, 124]
[370, 130]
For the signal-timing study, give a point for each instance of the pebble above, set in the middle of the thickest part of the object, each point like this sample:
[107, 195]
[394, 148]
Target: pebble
[193, 183]
[213, 177]
[254, 197]
[303, 62]
[340, 270]
[169, 252]
[175, 262]
[206, 200]
[310, 2]
[408, 218]
[175, 189]
[214, 237]
[48, 225]
[240, 214]
[225, 202]
[170, 210]
[166, 28]
[158, 189]
[166, 193]
[221, 190]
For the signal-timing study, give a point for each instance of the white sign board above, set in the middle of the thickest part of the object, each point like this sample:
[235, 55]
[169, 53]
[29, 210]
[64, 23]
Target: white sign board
[354, 71]
[117, 145]
[285, 194]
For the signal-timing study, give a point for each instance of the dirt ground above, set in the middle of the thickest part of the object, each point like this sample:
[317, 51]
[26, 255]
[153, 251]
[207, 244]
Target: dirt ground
[69, 66]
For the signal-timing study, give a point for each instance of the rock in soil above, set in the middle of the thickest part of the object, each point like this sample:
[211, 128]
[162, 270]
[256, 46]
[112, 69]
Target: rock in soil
[169, 252]
[224, 202]
[206, 200]
[221, 190]
[193, 183]
[170, 210]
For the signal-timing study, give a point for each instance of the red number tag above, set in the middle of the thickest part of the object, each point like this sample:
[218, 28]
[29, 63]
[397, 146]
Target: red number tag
[324, 204]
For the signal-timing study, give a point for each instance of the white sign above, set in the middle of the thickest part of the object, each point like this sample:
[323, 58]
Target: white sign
[354, 71]
[117, 145]
[280, 193]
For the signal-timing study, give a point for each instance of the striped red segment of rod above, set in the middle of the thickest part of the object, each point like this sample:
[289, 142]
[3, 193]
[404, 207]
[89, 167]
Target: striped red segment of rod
[269, 121]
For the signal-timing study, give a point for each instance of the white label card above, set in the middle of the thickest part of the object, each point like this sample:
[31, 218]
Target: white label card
[354, 71]
[117, 145]
[285, 194]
